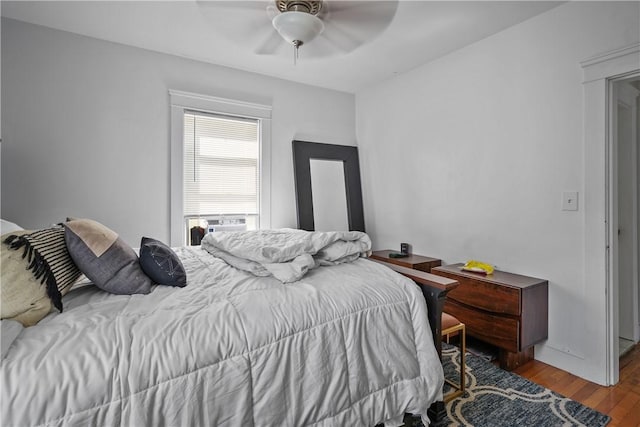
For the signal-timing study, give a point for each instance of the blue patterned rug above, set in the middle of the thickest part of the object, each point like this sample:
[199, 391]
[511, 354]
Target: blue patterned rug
[495, 397]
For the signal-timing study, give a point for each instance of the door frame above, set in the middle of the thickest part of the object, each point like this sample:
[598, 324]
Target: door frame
[627, 98]
[600, 294]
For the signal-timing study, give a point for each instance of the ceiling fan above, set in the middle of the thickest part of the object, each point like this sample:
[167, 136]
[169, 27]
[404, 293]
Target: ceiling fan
[323, 27]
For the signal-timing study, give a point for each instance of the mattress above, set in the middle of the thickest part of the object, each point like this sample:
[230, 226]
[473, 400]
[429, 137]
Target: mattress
[348, 344]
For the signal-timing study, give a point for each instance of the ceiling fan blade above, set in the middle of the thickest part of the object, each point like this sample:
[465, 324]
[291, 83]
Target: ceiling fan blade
[358, 5]
[320, 47]
[234, 17]
[339, 38]
[350, 24]
[237, 4]
[271, 44]
[363, 17]
[244, 23]
[272, 11]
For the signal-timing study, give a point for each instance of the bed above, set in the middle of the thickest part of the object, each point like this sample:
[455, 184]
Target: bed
[346, 344]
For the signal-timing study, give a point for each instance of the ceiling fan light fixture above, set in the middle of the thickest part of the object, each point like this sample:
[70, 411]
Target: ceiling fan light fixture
[298, 28]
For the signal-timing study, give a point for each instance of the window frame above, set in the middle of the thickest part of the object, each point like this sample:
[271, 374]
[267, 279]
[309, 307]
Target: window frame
[182, 102]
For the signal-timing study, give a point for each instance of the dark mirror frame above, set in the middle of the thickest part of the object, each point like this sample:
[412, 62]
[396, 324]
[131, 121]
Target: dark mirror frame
[303, 152]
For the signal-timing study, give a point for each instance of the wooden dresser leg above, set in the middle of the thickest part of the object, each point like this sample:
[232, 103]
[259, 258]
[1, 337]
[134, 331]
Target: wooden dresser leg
[510, 360]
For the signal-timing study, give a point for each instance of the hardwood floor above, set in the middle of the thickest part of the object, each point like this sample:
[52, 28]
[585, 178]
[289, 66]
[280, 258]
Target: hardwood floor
[621, 402]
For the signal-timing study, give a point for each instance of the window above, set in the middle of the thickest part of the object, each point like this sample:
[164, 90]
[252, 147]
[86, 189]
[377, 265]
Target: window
[220, 169]
[221, 174]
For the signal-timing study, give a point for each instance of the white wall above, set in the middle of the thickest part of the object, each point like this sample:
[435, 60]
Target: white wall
[86, 128]
[482, 143]
[0, 69]
[0, 73]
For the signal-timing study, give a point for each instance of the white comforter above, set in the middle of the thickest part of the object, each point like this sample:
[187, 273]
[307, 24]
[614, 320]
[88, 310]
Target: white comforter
[286, 254]
[347, 345]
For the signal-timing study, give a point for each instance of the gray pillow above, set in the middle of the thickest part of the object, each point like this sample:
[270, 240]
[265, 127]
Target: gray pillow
[105, 258]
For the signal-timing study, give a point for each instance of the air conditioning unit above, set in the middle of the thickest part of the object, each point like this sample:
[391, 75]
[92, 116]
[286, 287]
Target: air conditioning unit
[235, 224]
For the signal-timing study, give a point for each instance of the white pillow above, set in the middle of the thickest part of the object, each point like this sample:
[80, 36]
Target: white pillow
[9, 227]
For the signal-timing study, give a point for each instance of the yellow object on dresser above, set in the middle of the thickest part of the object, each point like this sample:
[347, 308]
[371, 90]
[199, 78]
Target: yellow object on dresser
[478, 267]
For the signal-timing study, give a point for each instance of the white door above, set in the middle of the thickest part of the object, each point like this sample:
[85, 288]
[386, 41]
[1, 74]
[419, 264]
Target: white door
[627, 180]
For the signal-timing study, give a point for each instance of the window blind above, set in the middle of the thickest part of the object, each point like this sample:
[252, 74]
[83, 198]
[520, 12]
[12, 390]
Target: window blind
[221, 167]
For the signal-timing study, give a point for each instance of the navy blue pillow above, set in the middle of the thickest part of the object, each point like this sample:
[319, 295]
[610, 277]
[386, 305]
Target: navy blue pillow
[161, 264]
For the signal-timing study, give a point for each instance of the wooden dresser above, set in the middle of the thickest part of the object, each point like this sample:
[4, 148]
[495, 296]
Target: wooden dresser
[417, 262]
[507, 310]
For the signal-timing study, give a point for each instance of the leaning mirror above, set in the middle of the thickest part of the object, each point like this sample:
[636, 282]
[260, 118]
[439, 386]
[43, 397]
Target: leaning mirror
[328, 195]
[328, 192]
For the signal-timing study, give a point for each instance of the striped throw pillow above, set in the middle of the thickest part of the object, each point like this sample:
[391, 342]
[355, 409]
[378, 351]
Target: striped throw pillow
[43, 257]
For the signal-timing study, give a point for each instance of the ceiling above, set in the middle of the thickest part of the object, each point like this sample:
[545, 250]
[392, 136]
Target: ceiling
[364, 41]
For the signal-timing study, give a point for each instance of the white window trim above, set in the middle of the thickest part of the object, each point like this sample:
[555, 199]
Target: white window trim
[181, 101]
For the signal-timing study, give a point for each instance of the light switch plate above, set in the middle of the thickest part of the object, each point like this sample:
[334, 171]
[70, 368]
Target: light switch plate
[569, 200]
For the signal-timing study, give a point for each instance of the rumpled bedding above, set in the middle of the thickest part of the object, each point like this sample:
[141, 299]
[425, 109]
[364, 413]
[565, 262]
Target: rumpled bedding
[346, 345]
[9, 331]
[286, 254]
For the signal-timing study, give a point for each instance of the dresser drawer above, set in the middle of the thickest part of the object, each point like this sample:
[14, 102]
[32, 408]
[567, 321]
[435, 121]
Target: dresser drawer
[500, 331]
[484, 295]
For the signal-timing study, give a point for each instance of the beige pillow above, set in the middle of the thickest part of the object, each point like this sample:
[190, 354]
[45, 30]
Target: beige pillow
[24, 296]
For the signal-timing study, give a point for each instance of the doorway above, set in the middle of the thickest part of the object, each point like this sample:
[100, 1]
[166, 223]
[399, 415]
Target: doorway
[601, 226]
[624, 207]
